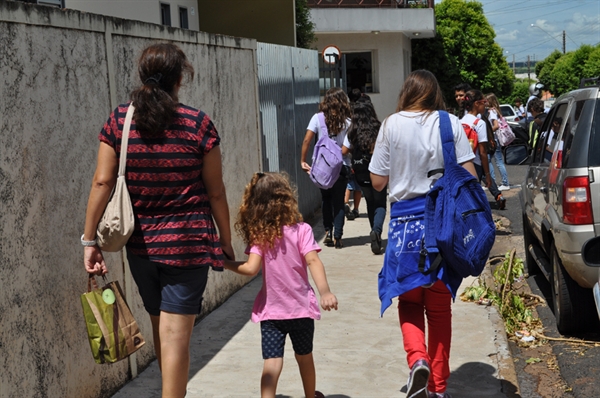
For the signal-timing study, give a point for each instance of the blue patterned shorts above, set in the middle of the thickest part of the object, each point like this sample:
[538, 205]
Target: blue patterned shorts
[273, 334]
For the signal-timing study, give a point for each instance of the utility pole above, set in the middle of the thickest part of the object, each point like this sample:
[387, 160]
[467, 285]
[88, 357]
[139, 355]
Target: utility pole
[528, 69]
[564, 42]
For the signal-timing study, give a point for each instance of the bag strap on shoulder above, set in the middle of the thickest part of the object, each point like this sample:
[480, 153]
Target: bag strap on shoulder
[447, 139]
[322, 124]
[125, 140]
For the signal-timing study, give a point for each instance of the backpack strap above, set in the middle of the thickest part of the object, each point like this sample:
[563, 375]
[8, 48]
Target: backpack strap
[322, 124]
[447, 139]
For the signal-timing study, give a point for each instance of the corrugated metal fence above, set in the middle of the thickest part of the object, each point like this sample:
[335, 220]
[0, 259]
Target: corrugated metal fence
[288, 90]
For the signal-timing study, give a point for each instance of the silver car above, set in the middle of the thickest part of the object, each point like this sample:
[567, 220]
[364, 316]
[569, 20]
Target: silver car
[560, 199]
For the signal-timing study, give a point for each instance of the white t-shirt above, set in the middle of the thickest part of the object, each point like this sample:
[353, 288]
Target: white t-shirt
[408, 146]
[315, 127]
[481, 133]
[492, 115]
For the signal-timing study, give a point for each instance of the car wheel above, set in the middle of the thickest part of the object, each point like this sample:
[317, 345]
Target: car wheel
[531, 266]
[572, 303]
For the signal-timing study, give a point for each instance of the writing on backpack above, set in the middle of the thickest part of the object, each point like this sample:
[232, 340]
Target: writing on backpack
[472, 134]
[327, 158]
[459, 228]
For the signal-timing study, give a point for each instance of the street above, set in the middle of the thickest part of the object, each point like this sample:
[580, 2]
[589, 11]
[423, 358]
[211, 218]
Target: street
[566, 369]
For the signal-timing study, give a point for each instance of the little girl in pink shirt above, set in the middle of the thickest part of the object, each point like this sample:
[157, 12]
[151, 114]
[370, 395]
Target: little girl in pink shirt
[284, 247]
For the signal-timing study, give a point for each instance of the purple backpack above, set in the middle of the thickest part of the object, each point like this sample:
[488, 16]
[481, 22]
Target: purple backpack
[327, 158]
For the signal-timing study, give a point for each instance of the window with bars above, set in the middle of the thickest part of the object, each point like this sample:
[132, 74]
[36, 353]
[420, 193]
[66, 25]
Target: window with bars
[183, 18]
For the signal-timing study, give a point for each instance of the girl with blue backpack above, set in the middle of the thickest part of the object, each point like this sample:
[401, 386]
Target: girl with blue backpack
[408, 147]
[333, 119]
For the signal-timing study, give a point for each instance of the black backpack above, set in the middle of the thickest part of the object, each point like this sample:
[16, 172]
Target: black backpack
[458, 219]
[360, 166]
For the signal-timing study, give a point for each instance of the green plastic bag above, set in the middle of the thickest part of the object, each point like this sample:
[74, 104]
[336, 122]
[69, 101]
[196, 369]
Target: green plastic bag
[112, 331]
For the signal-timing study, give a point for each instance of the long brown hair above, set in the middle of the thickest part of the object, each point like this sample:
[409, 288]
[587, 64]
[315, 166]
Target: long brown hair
[493, 102]
[161, 67]
[269, 203]
[336, 108]
[421, 92]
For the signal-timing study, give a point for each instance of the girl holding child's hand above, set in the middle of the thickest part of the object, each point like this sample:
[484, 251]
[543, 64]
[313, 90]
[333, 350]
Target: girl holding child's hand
[284, 246]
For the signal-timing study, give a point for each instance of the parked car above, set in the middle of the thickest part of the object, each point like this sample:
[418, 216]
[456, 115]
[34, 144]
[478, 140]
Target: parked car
[509, 113]
[560, 200]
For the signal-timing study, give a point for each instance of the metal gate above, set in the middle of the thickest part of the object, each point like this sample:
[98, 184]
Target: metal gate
[332, 72]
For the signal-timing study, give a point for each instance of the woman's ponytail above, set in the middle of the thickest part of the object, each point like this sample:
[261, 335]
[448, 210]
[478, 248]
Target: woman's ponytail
[160, 67]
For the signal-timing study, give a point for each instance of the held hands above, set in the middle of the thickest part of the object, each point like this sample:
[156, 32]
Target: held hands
[329, 301]
[93, 260]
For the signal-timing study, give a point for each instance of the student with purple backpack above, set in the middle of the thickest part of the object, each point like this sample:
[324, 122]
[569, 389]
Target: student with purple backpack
[333, 119]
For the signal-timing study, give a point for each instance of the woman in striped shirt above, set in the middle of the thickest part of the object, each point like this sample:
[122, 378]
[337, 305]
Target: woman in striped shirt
[174, 178]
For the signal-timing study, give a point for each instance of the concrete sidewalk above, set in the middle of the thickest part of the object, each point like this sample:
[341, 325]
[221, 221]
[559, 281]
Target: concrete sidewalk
[357, 353]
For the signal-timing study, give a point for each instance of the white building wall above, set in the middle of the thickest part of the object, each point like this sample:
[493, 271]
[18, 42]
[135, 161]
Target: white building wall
[390, 63]
[138, 10]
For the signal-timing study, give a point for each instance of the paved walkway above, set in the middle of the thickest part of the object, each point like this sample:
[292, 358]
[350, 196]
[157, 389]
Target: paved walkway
[357, 353]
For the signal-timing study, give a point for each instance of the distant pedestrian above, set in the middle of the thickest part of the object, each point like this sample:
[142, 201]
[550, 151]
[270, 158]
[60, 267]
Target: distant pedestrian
[473, 106]
[408, 147]
[336, 110]
[360, 142]
[519, 108]
[283, 246]
[459, 93]
[174, 179]
[494, 116]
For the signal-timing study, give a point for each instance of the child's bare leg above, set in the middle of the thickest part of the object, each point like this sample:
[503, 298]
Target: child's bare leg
[270, 376]
[307, 373]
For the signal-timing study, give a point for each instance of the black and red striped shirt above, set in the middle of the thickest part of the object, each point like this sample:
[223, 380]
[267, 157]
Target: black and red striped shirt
[174, 223]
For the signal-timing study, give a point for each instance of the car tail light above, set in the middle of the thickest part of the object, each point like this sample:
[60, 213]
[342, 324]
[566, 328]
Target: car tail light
[577, 203]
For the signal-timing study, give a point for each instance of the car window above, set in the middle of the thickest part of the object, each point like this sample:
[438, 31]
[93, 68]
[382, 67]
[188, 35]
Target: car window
[594, 153]
[506, 111]
[550, 131]
[575, 135]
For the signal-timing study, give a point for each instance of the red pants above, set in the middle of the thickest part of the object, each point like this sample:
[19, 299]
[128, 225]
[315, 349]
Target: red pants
[413, 306]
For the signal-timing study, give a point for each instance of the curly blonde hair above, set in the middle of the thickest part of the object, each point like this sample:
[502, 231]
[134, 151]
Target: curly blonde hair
[336, 108]
[269, 203]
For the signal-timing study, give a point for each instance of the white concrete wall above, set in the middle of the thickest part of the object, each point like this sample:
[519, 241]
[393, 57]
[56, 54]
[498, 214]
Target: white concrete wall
[61, 74]
[389, 63]
[138, 10]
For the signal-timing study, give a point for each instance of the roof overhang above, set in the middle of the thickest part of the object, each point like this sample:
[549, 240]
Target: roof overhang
[384, 20]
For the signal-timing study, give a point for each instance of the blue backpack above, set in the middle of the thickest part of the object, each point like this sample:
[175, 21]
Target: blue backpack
[458, 219]
[327, 159]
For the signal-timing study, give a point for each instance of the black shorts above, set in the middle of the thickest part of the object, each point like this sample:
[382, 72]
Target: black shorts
[166, 288]
[273, 334]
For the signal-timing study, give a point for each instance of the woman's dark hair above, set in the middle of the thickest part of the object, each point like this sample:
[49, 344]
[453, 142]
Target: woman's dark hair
[469, 100]
[421, 92]
[354, 94]
[336, 108]
[161, 67]
[362, 133]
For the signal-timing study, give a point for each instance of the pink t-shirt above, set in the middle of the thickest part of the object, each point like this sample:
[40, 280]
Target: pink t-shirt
[286, 292]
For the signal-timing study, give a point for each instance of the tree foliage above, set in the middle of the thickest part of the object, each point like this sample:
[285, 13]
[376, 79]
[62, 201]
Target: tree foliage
[561, 73]
[305, 28]
[520, 90]
[463, 50]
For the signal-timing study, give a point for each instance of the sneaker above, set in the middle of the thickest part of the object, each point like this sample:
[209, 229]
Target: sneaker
[355, 212]
[439, 395]
[501, 202]
[375, 242]
[504, 187]
[328, 241]
[349, 214]
[417, 380]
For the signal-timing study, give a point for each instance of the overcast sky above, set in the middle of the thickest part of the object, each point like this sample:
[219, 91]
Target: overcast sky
[512, 20]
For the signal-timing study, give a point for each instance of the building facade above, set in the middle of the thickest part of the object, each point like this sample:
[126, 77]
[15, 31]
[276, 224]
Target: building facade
[374, 38]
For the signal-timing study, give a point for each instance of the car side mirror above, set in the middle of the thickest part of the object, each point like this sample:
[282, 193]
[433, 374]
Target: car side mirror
[516, 154]
[591, 252]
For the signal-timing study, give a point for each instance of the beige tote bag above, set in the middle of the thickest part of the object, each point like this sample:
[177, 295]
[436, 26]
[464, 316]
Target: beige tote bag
[117, 222]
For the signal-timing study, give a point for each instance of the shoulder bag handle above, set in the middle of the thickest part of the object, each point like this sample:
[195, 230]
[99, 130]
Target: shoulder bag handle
[125, 139]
